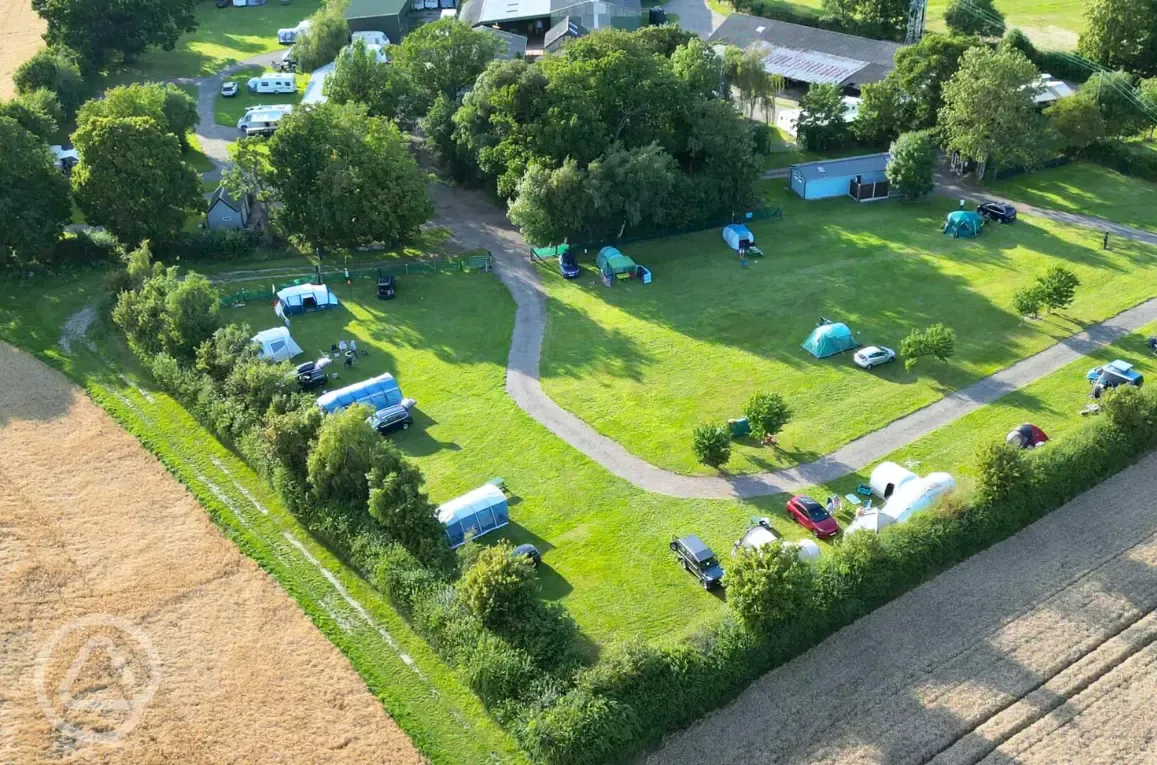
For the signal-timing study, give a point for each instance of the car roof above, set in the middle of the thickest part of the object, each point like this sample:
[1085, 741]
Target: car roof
[807, 502]
[696, 547]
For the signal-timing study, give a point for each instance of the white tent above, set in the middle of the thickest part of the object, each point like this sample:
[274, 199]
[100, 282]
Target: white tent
[871, 521]
[808, 549]
[758, 536]
[276, 344]
[888, 477]
[917, 495]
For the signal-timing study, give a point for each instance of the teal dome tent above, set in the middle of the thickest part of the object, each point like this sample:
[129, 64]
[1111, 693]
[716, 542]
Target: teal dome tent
[828, 339]
[963, 223]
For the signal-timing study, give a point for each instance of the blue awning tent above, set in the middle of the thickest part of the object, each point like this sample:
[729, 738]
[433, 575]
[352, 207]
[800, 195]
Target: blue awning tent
[736, 233]
[303, 298]
[828, 339]
[377, 392]
[473, 514]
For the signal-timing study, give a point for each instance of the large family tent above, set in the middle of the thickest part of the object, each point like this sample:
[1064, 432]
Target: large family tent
[963, 223]
[276, 344]
[611, 262]
[829, 339]
[475, 513]
[917, 495]
[738, 235]
[887, 477]
[377, 392]
[303, 298]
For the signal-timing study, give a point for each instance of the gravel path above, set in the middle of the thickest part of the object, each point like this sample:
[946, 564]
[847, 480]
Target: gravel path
[1042, 649]
[477, 223]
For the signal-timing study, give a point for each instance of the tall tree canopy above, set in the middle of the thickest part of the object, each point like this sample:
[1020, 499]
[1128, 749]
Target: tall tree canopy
[359, 77]
[821, 122]
[327, 33]
[444, 57]
[974, 17]
[989, 114]
[1121, 34]
[53, 69]
[605, 103]
[921, 71]
[171, 108]
[37, 111]
[885, 19]
[101, 30]
[1116, 96]
[131, 179]
[34, 203]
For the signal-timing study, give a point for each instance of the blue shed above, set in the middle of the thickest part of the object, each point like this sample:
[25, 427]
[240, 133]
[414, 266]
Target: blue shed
[862, 178]
[475, 513]
[377, 392]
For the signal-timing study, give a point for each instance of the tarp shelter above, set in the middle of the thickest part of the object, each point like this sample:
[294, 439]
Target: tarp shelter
[963, 223]
[276, 344]
[888, 477]
[304, 298]
[1026, 436]
[829, 339]
[917, 495]
[377, 392]
[475, 513]
[872, 521]
[737, 233]
[611, 262]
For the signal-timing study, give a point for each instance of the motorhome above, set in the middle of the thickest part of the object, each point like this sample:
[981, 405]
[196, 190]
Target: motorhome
[272, 82]
[263, 120]
[370, 38]
[289, 35]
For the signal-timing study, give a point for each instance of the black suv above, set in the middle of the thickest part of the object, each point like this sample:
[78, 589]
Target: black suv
[696, 557]
[997, 212]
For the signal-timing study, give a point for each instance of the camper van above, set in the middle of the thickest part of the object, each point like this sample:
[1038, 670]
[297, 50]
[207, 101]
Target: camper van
[370, 38]
[263, 120]
[289, 35]
[272, 82]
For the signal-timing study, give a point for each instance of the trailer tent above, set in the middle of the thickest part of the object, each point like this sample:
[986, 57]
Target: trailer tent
[475, 513]
[829, 339]
[737, 234]
[610, 261]
[377, 392]
[303, 298]
[963, 223]
[276, 344]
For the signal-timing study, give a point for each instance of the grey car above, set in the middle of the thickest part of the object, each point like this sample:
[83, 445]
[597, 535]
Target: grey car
[696, 557]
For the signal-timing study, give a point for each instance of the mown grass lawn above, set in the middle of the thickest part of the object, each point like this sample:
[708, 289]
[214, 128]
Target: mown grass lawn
[228, 111]
[1083, 187]
[645, 364]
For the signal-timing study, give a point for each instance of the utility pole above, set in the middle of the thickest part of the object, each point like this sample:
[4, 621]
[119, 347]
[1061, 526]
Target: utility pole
[916, 9]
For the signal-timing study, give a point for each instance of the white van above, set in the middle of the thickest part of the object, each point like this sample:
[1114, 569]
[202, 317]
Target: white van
[370, 38]
[272, 82]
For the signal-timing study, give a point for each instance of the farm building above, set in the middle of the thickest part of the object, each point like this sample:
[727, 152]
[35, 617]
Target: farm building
[515, 44]
[226, 212]
[862, 178]
[534, 18]
[806, 54]
[389, 16]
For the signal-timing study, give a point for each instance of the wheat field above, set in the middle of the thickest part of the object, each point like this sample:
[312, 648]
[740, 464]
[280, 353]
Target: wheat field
[20, 31]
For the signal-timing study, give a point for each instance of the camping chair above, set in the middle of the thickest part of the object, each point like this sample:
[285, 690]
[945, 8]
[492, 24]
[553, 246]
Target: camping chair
[342, 346]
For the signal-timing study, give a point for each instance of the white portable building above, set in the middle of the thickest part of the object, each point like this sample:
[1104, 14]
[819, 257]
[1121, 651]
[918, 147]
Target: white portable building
[917, 495]
[276, 344]
[888, 477]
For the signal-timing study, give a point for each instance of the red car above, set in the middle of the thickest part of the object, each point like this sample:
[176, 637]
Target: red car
[812, 516]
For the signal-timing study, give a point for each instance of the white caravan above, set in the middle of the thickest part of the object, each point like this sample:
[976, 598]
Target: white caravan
[370, 38]
[272, 82]
[289, 35]
[263, 120]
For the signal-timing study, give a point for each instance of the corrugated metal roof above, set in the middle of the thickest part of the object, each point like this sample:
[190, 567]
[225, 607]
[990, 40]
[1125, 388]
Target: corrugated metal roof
[811, 66]
[488, 12]
[515, 44]
[841, 168]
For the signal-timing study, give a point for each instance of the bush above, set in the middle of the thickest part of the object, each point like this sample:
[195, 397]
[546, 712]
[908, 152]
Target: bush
[767, 413]
[1125, 159]
[500, 587]
[205, 245]
[1130, 411]
[497, 671]
[582, 729]
[1003, 473]
[712, 445]
[94, 248]
[768, 587]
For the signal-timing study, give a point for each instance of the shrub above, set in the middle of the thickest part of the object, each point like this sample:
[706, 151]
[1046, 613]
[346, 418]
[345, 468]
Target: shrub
[497, 671]
[500, 587]
[1003, 473]
[406, 516]
[767, 413]
[1129, 411]
[768, 587]
[712, 445]
[204, 245]
[581, 729]
[84, 249]
[937, 341]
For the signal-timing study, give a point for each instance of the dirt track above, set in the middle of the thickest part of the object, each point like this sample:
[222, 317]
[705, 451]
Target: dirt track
[20, 30]
[91, 524]
[1041, 650]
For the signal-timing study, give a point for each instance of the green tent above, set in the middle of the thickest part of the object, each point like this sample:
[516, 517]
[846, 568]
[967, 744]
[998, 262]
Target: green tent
[610, 261]
[963, 223]
[829, 339]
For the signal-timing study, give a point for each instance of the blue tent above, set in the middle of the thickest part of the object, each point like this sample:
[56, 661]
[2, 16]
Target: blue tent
[475, 513]
[963, 223]
[736, 233]
[377, 392]
[828, 339]
[303, 298]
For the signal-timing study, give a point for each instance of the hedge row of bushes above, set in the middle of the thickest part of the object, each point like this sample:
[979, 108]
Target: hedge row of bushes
[796, 14]
[637, 693]
[1124, 158]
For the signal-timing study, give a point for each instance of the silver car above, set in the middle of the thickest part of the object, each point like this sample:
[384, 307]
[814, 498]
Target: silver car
[873, 356]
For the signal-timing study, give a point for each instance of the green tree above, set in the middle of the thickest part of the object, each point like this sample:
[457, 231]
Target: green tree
[767, 413]
[358, 77]
[1077, 122]
[327, 34]
[664, 39]
[1129, 410]
[443, 57]
[1058, 287]
[1121, 34]
[54, 70]
[768, 587]
[101, 31]
[743, 70]
[168, 314]
[192, 315]
[923, 69]
[974, 17]
[34, 201]
[174, 110]
[885, 19]
[1147, 91]
[989, 114]
[149, 197]
[341, 179]
[550, 204]
[1002, 472]
[625, 185]
[1028, 301]
[885, 111]
[695, 63]
[1116, 98]
[340, 461]
[913, 164]
[36, 111]
[500, 587]
[937, 341]
[399, 504]
[712, 445]
[225, 348]
[821, 123]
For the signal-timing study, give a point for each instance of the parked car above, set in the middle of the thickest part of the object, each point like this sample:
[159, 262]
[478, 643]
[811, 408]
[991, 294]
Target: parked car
[812, 516]
[387, 287]
[229, 89]
[311, 373]
[873, 356]
[528, 551]
[696, 557]
[997, 212]
[395, 417]
[1112, 375]
[568, 265]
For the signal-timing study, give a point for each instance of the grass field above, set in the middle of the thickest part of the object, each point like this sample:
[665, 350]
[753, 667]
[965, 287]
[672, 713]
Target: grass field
[646, 364]
[229, 110]
[1083, 187]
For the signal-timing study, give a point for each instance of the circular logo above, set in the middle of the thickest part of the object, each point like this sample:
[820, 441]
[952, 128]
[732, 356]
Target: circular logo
[95, 676]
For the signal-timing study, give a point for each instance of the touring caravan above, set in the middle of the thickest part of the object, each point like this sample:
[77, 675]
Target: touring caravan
[289, 36]
[272, 82]
[370, 38]
[263, 120]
